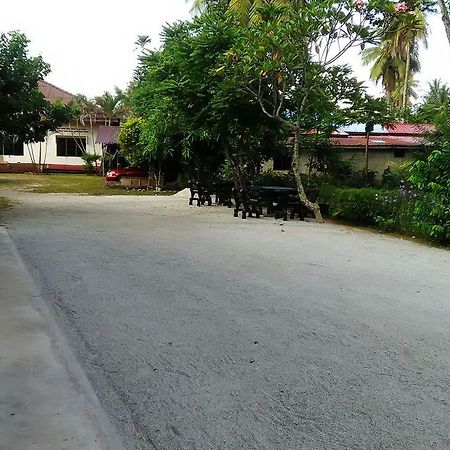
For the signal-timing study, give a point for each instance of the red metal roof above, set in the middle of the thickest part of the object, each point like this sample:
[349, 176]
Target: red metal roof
[417, 129]
[378, 141]
[107, 135]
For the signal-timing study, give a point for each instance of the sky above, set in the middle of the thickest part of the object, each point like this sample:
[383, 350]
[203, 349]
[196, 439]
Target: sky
[90, 44]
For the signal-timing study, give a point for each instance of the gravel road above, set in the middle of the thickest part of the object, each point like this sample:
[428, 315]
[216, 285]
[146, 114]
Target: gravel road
[200, 331]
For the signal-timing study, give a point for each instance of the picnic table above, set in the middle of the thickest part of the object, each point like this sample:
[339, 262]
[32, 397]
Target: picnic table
[279, 201]
[200, 193]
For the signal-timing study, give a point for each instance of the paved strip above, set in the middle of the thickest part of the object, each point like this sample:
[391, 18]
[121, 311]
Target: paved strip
[46, 402]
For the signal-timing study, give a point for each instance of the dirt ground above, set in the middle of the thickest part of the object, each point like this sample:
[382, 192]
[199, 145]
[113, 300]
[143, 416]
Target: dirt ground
[199, 330]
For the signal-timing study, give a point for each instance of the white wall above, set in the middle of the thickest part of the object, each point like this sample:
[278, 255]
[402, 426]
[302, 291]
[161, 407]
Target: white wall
[47, 149]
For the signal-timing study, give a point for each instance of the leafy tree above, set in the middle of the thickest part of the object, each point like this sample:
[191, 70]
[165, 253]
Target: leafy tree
[24, 112]
[129, 138]
[187, 107]
[289, 67]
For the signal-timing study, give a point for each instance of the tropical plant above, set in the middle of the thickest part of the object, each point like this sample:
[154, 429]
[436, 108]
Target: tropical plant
[396, 59]
[89, 160]
[248, 11]
[436, 101]
[111, 106]
[396, 173]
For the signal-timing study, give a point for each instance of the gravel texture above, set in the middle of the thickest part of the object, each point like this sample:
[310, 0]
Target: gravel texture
[199, 330]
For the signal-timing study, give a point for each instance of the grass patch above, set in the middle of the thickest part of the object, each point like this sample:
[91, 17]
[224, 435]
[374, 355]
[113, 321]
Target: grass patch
[5, 203]
[65, 184]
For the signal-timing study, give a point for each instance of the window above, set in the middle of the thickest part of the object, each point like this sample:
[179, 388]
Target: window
[399, 153]
[282, 162]
[69, 146]
[10, 146]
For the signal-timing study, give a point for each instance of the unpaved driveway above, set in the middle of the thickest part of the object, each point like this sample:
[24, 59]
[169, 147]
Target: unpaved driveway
[203, 331]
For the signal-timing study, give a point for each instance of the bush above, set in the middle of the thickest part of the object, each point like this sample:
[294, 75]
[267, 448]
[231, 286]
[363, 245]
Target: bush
[89, 160]
[367, 206]
[397, 173]
[431, 180]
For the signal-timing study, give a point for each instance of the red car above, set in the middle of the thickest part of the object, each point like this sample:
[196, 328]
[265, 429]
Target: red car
[117, 174]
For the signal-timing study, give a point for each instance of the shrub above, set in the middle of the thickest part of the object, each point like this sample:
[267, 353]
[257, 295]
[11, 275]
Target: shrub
[89, 160]
[366, 206]
[396, 173]
[431, 179]
[272, 178]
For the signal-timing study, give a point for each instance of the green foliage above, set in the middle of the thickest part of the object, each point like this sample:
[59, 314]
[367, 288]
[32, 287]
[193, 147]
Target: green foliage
[362, 205]
[431, 179]
[396, 173]
[288, 63]
[226, 172]
[187, 108]
[325, 159]
[395, 60]
[89, 160]
[435, 103]
[419, 207]
[272, 178]
[111, 106]
[24, 112]
[129, 138]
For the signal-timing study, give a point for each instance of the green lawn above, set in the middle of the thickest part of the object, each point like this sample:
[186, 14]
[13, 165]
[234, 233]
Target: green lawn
[64, 184]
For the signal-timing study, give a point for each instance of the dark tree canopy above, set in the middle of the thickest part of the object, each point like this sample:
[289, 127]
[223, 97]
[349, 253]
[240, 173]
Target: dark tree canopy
[184, 101]
[24, 112]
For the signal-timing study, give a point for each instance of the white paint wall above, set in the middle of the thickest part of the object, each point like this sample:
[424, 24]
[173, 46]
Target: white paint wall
[47, 149]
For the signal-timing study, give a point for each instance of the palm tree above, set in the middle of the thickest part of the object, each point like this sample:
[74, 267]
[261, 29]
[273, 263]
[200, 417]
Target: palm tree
[142, 42]
[445, 12]
[248, 10]
[396, 60]
[438, 93]
[435, 101]
[111, 105]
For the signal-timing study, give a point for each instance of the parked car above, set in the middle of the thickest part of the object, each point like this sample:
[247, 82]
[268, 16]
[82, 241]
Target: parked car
[117, 174]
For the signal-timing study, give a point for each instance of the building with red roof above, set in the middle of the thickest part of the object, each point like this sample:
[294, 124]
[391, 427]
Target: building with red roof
[387, 144]
[62, 149]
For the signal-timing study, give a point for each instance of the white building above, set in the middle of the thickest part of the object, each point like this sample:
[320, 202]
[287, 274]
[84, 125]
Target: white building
[61, 149]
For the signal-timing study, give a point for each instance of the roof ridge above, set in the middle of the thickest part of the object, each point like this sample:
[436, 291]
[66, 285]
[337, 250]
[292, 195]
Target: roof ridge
[57, 87]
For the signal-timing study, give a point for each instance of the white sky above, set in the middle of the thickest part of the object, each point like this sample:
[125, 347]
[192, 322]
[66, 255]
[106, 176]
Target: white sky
[90, 44]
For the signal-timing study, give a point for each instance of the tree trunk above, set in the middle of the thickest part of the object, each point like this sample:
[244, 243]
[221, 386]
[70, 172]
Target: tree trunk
[445, 17]
[366, 158]
[406, 81]
[312, 206]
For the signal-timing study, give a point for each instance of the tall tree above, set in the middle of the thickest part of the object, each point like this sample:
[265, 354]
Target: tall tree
[436, 103]
[289, 67]
[111, 106]
[186, 106]
[24, 112]
[396, 60]
[248, 11]
[444, 6]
